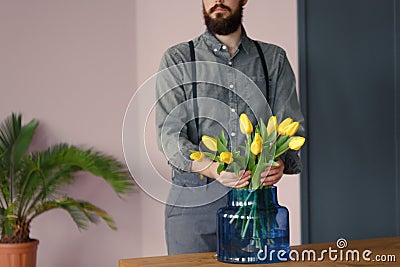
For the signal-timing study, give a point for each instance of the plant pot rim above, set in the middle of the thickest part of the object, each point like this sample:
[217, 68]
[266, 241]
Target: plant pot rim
[20, 245]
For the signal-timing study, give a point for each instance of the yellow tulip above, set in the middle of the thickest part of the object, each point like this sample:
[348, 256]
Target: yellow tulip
[296, 143]
[272, 124]
[292, 128]
[226, 157]
[256, 145]
[283, 125]
[197, 156]
[245, 124]
[210, 143]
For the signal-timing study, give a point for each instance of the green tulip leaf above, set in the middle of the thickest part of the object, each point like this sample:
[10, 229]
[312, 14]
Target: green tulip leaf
[220, 168]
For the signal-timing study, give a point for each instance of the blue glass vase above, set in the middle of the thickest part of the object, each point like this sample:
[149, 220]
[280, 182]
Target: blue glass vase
[253, 228]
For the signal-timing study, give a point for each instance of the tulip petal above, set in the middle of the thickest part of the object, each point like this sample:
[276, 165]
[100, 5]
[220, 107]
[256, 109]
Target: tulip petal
[296, 143]
[210, 143]
[272, 124]
[291, 129]
[283, 125]
[245, 124]
[226, 157]
[197, 156]
[256, 145]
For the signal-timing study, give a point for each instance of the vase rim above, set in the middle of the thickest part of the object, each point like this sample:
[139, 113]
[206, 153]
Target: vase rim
[248, 189]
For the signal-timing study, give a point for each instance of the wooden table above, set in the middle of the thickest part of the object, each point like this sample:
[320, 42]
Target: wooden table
[388, 248]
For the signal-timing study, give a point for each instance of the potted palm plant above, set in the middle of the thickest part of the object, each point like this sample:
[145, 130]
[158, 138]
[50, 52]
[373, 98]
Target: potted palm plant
[31, 184]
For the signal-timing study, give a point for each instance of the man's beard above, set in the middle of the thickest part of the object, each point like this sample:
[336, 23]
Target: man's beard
[220, 25]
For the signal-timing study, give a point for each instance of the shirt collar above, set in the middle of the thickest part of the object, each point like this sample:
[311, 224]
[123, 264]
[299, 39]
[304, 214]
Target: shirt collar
[213, 43]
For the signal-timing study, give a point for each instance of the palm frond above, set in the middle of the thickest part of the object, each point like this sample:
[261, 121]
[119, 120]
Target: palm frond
[30, 180]
[112, 171]
[82, 212]
[73, 159]
[10, 128]
[4, 187]
[15, 139]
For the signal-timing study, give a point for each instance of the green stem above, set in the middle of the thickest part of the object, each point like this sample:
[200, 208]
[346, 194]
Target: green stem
[280, 153]
[236, 216]
[248, 221]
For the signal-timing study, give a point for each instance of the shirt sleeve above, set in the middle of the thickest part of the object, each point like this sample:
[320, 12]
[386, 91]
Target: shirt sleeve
[286, 104]
[175, 136]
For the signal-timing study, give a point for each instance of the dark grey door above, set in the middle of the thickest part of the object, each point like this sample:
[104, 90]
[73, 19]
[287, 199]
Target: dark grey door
[349, 84]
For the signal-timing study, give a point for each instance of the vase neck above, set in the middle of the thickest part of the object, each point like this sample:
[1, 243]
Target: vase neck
[246, 197]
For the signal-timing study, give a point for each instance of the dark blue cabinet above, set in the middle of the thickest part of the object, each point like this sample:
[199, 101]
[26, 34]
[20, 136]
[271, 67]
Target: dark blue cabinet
[350, 94]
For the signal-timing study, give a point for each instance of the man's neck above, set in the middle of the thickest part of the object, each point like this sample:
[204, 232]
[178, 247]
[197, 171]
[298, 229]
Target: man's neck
[231, 40]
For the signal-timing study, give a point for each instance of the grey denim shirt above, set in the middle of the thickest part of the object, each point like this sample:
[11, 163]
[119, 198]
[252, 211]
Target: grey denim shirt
[226, 87]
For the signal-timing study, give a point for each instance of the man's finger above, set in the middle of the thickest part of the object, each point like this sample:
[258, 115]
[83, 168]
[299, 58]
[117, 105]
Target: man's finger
[239, 185]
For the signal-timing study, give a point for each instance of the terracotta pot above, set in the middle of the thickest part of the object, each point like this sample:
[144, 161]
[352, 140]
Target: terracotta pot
[18, 255]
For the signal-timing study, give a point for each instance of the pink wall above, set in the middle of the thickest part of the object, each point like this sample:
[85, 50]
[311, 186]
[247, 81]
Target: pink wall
[74, 65]
[269, 20]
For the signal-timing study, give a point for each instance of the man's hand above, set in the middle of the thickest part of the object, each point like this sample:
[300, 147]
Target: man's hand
[274, 174]
[209, 168]
[230, 179]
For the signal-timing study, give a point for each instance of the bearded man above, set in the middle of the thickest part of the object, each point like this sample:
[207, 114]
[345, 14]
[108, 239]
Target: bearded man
[192, 228]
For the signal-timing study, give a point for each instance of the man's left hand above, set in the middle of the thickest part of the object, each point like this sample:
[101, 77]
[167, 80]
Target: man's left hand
[274, 174]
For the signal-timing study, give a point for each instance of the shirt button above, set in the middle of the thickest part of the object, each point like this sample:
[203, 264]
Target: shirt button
[233, 110]
[224, 47]
[231, 86]
[233, 134]
[215, 50]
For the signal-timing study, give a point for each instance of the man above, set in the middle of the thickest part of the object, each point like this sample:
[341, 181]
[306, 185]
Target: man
[230, 53]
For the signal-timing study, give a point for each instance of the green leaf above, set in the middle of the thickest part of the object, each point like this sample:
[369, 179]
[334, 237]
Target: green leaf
[266, 155]
[258, 130]
[272, 137]
[223, 139]
[263, 130]
[10, 128]
[272, 163]
[283, 148]
[281, 140]
[220, 168]
[82, 212]
[212, 156]
[23, 142]
[256, 175]
[252, 162]
[15, 140]
[236, 169]
[240, 160]
[221, 147]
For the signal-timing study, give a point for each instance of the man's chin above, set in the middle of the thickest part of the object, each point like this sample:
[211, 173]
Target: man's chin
[219, 15]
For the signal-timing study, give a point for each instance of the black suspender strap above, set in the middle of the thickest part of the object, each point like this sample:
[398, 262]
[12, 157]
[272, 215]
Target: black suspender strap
[265, 68]
[194, 78]
[194, 87]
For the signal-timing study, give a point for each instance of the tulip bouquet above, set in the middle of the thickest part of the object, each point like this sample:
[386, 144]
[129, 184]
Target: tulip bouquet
[263, 146]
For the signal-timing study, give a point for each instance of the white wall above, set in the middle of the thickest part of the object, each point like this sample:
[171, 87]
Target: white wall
[74, 65]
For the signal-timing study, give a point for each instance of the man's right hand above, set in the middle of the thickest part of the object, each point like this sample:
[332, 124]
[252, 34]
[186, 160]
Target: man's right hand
[230, 179]
[209, 168]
